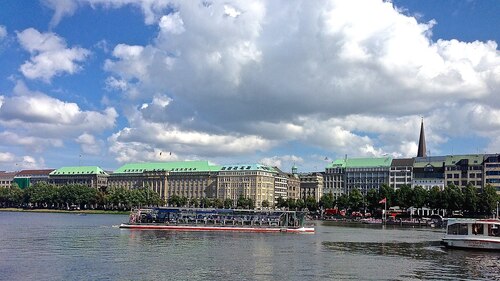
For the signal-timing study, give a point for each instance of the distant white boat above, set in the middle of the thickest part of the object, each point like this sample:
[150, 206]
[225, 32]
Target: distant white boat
[473, 234]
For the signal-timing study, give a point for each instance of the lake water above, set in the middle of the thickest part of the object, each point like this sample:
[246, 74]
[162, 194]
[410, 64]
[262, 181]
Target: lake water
[47, 246]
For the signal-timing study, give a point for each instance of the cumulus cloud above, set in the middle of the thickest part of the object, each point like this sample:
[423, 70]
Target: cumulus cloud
[350, 77]
[89, 144]
[49, 55]
[365, 63]
[32, 115]
[6, 157]
[284, 162]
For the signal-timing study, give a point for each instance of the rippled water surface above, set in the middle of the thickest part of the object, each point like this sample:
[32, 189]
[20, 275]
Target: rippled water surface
[38, 246]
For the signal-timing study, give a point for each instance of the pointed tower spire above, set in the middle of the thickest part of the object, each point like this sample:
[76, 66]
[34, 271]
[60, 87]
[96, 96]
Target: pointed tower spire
[422, 149]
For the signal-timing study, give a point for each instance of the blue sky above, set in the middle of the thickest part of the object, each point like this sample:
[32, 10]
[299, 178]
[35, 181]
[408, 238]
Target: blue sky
[101, 82]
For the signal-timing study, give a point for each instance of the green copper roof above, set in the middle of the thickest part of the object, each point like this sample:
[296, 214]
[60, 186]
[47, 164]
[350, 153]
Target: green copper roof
[473, 159]
[248, 167]
[174, 166]
[80, 170]
[361, 162]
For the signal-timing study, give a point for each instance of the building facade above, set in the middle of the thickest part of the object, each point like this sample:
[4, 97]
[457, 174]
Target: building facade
[91, 176]
[462, 170]
[254, 181]
[491, 168]
[190, 179]
[6, 179]
[311, 184]
[27, 178]
[429, 172]
[334, 178]
[401, 172]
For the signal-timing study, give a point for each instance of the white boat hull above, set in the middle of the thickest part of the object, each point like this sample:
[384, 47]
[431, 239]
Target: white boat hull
[483, 243]
[215, 228]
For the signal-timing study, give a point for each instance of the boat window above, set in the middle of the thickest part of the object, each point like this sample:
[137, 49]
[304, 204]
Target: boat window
[493, 230]
[458, 229]
[477, 229]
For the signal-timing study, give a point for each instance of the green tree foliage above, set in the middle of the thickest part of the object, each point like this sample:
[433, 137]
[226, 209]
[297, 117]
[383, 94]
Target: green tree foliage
[434, 198]
[355, 200]
[372, 199]
[404, 197]
[11, 197]
[419, 196]
[452, 198]
[488, 199]
[471, 199]
[228, 203]
[327, 201]
[387, 192]
[265, 204]
[311, 203]
[343, 201]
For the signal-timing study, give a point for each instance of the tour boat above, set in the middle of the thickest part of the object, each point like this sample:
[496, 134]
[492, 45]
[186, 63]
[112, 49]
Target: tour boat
[473, 234]
[200, 219]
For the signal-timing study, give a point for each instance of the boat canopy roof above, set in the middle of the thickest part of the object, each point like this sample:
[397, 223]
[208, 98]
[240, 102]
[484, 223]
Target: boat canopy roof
[216, 211]
[472, 221]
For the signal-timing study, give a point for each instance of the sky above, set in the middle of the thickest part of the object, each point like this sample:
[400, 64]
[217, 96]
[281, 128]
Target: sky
[109, 82]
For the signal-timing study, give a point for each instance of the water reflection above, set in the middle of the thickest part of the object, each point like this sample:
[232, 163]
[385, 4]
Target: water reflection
[439, 263]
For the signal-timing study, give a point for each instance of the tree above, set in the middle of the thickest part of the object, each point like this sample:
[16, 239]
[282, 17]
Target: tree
[204, 202]
[175, 200]
[371, 199]
[299, 204]
[343, 201]
[488, 199]
[387, 192]
[434, 198]
[218, 203]
[265, 204]
[193, 202]
[355, 199]
[471, 199]
[281, 202]
[405, 196]
[452, 198]
[311, 203]
[327, 201]
[228, 203]
[419, 196]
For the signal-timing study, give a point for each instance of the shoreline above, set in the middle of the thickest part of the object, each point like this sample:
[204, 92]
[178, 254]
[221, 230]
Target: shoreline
[89, 212]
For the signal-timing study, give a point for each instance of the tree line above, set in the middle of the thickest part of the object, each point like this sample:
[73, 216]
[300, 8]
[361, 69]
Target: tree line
[44, 195]
[469, 200]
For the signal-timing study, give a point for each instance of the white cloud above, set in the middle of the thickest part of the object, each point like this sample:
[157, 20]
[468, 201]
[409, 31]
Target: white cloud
[6, 157]
[89, 144]
[3, 32]
[61, 9]
[350, 77]
[284, 162]
[36, 144]
[172, 23]
[34, 114]
[49, 55]
[11, 161]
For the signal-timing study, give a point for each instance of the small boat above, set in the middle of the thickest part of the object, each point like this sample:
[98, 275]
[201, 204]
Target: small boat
[473, 234]
[200, 219]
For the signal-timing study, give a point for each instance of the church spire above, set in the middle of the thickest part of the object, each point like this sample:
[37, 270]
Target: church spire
[421, 142]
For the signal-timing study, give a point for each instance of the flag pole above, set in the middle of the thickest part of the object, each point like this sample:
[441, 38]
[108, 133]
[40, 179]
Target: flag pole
[385, 210]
